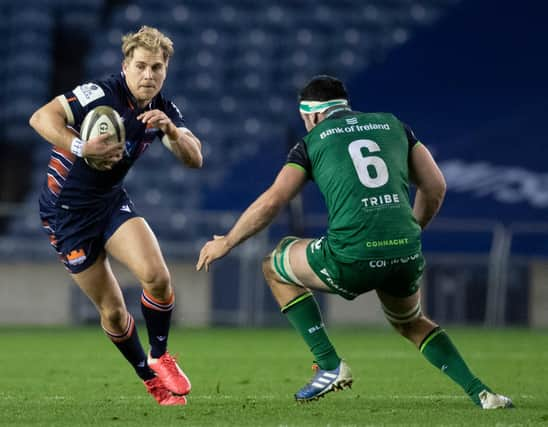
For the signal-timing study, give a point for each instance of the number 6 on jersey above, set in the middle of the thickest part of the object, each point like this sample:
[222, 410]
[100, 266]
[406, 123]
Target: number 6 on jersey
[362, 163]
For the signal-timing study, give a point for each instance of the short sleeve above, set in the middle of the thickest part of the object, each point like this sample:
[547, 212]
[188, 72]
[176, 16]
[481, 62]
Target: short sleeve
[412, 140]
[298, 157]
[83, 98]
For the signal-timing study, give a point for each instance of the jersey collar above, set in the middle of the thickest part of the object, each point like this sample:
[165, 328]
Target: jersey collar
[337, 112]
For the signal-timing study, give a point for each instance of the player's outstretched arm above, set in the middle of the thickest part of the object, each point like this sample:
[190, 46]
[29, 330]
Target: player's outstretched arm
[430, 183]
[180, 141]
[256, 217]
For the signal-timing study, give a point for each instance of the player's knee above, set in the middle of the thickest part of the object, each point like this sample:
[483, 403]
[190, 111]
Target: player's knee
[155, 276]
[157, 282]
[276, 266]
[114, 318]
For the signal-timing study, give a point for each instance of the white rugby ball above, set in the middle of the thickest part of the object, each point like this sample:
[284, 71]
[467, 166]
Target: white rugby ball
[99, 121]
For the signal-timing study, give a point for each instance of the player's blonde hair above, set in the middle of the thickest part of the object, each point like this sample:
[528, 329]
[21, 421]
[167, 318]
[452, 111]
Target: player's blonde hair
[149, 38]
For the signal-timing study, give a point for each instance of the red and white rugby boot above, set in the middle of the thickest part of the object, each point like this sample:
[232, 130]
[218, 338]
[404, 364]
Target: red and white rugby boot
[173, 377]
[163, 396]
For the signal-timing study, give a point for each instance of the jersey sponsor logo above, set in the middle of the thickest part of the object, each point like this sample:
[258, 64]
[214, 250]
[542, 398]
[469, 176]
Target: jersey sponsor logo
[125, 208]
[76, 257]
[354, 128]
[88, 93]
[335, 285]
[382, 200]
[387, 242]
[151, 128]
[327, 276]
[381, 263]
[316, 246]
[352, 121]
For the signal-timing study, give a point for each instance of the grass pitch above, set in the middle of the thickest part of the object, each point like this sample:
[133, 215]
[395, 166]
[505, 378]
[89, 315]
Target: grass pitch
[76, 377]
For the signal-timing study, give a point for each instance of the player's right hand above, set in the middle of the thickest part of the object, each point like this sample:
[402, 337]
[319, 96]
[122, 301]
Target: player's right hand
[212, 250]
[97, 148]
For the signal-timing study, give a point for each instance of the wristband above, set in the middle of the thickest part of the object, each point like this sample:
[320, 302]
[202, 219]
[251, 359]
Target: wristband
[77, 147]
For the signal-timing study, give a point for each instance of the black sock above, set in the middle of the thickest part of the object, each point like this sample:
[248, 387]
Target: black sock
[129, 345]
[157, 316]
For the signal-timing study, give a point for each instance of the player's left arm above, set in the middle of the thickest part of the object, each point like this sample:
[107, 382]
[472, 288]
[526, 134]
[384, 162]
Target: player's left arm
[257, 216]
[179, 140]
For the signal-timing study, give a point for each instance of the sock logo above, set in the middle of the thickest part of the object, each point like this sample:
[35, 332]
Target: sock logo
[141, 364]
[161, 338]
[315, 328]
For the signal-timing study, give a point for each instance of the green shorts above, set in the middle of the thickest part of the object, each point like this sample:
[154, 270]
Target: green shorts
[398, 277]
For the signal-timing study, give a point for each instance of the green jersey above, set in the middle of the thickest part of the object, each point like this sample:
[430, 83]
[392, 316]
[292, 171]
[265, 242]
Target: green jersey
[360, 163]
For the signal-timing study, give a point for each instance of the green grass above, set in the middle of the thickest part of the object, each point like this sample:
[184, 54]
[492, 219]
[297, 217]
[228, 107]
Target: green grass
[75, 377]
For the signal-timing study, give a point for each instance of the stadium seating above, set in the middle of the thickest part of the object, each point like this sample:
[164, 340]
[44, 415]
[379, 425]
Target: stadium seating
[237, 67]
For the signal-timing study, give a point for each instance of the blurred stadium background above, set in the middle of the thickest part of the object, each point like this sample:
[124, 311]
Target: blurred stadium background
[469, 76]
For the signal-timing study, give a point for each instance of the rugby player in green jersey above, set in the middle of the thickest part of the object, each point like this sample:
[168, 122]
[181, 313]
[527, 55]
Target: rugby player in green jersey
[362, 164]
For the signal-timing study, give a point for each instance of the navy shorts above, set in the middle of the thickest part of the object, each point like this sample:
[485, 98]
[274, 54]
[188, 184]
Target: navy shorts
[79, 235]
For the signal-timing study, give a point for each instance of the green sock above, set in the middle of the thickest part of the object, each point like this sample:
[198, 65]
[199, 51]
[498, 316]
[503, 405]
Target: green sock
[304, 315]
[438, 349]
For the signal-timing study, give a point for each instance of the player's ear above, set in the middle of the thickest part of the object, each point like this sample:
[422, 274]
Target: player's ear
[315, 118]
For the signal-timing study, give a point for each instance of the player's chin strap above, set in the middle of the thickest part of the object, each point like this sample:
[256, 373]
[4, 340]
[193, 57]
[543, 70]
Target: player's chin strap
[311, 107]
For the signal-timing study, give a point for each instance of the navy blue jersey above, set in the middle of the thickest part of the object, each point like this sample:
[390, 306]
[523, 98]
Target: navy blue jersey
[71, 183]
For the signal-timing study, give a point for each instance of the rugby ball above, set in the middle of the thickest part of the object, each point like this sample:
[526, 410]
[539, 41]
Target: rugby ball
[99, 121]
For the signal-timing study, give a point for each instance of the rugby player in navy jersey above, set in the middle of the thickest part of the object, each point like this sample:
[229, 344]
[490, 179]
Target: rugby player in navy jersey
[88, 214]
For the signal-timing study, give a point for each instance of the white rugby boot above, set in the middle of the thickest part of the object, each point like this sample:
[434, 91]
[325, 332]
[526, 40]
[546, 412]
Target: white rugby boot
[491, 400]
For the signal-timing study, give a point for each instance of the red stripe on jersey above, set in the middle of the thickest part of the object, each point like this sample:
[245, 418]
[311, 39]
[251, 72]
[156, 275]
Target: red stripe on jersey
[53, 240]
[66, 154]
[59, 167]
[53, 185]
